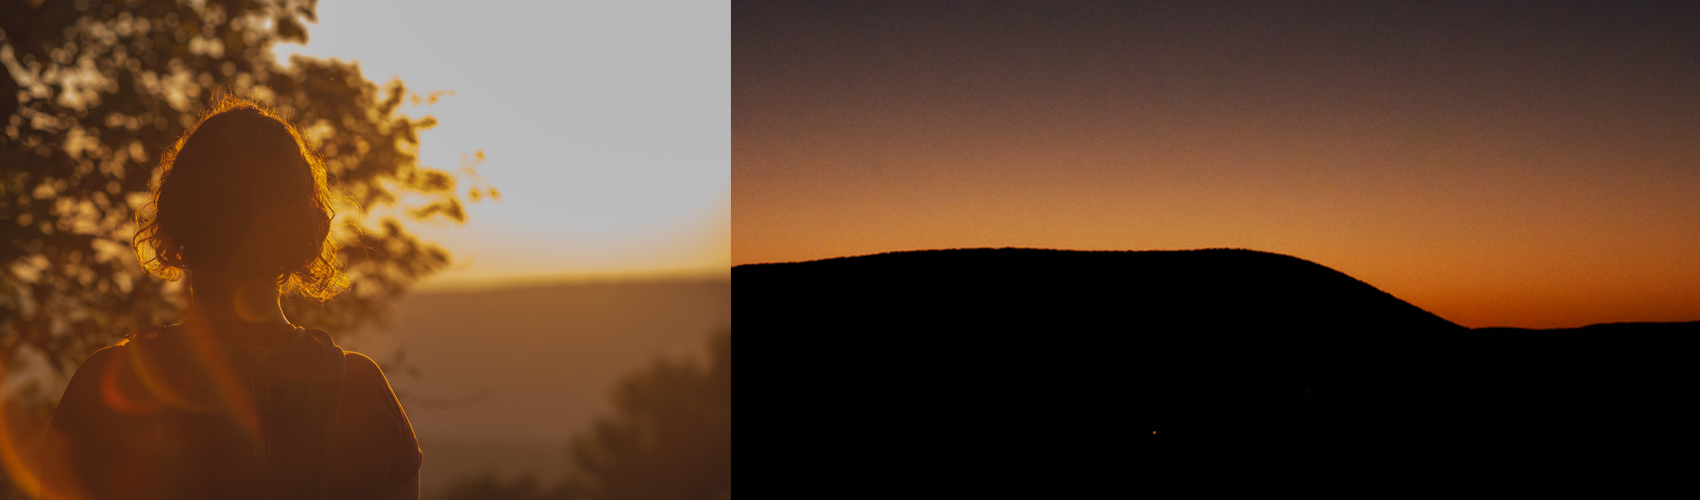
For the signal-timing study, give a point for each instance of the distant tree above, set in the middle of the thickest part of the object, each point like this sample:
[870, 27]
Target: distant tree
[93, 90]
[669, 436]
[490, 487]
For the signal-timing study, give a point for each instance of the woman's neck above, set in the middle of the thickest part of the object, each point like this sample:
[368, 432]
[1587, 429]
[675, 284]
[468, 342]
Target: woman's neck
[252, 300]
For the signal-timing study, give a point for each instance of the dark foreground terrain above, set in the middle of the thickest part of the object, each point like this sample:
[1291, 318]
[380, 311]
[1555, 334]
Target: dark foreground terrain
[979, 371]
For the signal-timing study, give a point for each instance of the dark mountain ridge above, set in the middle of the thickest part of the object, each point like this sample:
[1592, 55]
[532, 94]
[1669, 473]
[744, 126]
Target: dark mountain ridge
[1221, 287]
[1007, 359]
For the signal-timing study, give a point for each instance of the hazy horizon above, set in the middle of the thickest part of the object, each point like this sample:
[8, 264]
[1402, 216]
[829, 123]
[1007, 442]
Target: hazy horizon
[527, 367]
[505, 282]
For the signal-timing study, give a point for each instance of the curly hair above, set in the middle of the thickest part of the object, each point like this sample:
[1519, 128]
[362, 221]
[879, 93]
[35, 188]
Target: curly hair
[242, 196]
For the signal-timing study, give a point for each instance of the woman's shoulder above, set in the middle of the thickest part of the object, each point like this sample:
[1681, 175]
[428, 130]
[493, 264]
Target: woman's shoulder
[364, 378]
[100, 357]
[106, 369]
[359, 367]
[377, 449]
[149, 332]
[92, 366]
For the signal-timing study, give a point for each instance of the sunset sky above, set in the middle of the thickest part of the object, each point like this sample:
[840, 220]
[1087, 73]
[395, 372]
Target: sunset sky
[604, 125]
[1531, 164]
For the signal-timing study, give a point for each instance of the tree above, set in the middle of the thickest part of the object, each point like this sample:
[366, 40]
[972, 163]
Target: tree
[490, 487]
[669, 436]
[94, 90]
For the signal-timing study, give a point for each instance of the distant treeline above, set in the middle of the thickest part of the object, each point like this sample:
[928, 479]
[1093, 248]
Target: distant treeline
[669, 437]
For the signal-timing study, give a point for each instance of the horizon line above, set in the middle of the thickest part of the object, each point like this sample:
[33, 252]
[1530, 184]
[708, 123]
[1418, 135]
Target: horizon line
[494, 283]
[1053, 249]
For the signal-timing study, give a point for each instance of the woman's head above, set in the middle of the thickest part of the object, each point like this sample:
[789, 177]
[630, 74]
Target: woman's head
[241, 197]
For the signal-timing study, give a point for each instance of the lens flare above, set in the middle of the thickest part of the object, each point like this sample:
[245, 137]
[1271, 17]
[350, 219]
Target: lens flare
[204, 381]
[22, 470]
[125, 395]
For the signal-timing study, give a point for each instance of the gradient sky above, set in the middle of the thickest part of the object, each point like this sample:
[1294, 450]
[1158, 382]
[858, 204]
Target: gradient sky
[604, 125]
[1530, 164]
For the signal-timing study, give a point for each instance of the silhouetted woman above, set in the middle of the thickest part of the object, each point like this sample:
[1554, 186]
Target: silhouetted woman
[234, 401]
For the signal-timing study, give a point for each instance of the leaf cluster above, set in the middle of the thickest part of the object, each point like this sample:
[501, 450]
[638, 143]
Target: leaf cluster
[91, 93]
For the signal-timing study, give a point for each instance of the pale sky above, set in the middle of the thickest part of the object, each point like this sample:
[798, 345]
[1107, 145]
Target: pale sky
[606, 127]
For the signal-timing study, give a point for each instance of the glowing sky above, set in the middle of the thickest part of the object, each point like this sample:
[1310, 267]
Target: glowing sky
[604, 125]
[1531, 165]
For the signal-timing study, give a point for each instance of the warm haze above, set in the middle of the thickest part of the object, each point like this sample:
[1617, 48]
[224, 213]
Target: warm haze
[603, 125]
[1508, 165]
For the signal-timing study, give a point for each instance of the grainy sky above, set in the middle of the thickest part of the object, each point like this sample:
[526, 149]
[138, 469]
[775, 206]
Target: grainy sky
[1527, 164]
[604, 125]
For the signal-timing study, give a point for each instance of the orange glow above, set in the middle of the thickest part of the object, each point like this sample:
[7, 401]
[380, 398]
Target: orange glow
[1469, 257]
[1485, 184]
[181, 387]
[16, 454]
[138, 383]
[119, 398]
[1481, 242]
[17, 468]
[230, 394]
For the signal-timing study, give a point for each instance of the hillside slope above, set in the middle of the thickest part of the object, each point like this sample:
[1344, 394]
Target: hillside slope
[1022, 363]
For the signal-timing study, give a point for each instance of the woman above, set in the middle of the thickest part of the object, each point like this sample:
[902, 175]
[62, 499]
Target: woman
[234, 401]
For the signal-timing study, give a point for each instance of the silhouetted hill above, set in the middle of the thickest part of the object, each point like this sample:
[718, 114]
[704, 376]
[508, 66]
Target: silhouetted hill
[1195, 290]
[1024, 364]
